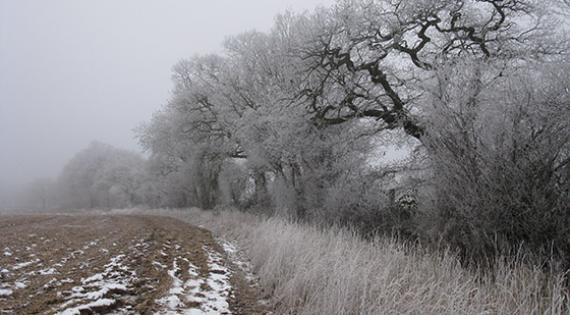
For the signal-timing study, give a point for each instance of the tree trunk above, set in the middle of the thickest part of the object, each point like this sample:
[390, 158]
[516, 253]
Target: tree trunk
[261, 195]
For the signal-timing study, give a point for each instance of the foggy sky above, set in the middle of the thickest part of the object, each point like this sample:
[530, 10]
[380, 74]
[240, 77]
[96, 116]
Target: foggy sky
[75, 71]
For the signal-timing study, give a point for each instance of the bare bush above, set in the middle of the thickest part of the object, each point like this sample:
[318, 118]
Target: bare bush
[500, 152]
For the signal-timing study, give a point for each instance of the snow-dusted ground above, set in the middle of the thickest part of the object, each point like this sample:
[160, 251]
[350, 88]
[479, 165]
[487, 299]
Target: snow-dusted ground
[8, 288]
[199, 295]
[5, 292]
[239, 260]
[141, 265]
[206, 291]
[94, 291]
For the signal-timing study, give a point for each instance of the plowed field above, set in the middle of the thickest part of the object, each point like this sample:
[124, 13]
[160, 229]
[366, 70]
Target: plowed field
[81, 264]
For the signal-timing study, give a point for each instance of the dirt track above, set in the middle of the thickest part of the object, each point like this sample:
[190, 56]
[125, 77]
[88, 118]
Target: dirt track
[77, 264]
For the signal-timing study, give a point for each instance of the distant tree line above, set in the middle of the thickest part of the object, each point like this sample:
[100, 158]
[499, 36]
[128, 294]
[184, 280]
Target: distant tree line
[100, 176]
[290, 122]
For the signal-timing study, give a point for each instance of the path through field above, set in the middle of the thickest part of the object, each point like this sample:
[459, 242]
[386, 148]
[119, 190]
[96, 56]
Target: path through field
[78, 264]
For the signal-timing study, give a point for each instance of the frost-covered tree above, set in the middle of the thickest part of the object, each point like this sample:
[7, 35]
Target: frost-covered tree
[288, 119]
[239, 107]
[370, 58]
[102, 176]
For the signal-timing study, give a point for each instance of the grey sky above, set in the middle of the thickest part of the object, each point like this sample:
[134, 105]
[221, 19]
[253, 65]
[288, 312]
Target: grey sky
[75, 71]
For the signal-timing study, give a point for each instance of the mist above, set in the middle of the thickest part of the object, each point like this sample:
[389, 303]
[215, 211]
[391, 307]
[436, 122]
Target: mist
[284, 157]
[76, 71]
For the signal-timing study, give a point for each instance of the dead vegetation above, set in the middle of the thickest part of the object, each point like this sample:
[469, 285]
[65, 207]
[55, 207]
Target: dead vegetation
[307, 270]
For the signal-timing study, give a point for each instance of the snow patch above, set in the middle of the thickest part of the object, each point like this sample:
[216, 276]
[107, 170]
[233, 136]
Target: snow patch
[228, 247]
[210, 293]
[213, 292]
[104, 290]
[19, 285]
[47, 271]
[96, 290]
[239, 261]
[96, 277]
[159, 265]
[5, 292]
[78, 310]
[172, 301]
[91, 244]
[56, 283]
[25, 264]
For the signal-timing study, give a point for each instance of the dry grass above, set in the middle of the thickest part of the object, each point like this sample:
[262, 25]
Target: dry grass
[309, 271]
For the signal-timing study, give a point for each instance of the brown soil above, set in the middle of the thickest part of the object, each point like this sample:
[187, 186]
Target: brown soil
[46, 261]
